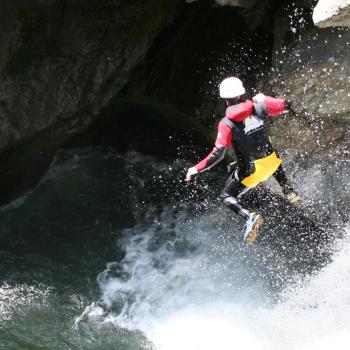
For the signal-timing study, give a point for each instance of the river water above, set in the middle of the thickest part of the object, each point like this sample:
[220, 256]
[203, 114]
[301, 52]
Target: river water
[115, 251]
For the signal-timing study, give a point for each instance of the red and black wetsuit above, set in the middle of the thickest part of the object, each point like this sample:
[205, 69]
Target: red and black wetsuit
[245, 126]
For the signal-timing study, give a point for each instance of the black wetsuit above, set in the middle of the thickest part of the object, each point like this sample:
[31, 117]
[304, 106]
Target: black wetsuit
[245, 126]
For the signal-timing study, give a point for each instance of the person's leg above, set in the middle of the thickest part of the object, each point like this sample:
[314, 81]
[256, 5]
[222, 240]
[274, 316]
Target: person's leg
[232, 191]
[282, 180]
[230, 197]
[286, 186]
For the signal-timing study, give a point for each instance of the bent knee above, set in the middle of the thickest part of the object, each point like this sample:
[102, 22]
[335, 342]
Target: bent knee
[223, 195]
[229, 201]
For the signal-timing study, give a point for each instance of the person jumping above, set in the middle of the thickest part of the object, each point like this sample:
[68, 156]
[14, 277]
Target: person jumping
[245, 126]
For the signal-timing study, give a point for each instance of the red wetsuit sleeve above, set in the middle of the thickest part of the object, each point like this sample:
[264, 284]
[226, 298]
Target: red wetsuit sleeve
[223, 141]
[238, 113]
[275, 106]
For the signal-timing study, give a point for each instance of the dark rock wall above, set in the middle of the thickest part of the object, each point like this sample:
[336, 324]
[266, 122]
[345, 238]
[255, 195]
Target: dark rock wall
[61, 62]
[205, 44]
[64, 60]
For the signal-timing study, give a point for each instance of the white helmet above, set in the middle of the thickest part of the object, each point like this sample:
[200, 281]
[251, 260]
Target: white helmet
[231, 87]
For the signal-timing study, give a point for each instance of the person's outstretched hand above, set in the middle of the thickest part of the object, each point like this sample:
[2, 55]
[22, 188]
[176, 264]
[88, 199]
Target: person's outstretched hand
[190, 172]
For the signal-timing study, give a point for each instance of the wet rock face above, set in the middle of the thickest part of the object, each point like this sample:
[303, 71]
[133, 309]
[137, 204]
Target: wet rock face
[311, 68]
[334, 13]
[314, 72]
[62, 61]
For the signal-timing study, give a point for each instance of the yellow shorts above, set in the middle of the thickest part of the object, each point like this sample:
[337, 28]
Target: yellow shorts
[264, 168]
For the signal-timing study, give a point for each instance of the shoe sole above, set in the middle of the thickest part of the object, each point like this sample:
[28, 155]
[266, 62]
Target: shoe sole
[295, 201]
[251, 237]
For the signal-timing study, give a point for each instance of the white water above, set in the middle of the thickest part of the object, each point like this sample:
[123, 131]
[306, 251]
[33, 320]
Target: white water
[316, 315]
[205, 298]
[187, 282]
[184, 285]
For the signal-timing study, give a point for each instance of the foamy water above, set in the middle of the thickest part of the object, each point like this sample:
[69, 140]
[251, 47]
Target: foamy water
[187, 281]
[316, 314]
[205, 298]
[181, 277]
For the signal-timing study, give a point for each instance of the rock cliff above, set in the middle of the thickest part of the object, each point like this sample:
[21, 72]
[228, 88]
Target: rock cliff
[61, 62]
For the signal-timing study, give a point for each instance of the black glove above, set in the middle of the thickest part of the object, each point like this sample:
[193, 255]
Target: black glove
[288, 106]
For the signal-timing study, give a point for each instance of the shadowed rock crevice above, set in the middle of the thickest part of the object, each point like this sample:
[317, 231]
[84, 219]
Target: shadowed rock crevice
[204, 45]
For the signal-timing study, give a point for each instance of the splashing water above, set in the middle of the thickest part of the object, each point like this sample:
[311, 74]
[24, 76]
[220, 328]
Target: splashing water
[315, 315]
[194, 315]
[220, 327]
[187, 282]
[181, 276]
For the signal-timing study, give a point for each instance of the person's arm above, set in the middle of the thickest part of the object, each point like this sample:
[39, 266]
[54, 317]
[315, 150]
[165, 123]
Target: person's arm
[223, 141]
[274, 106]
